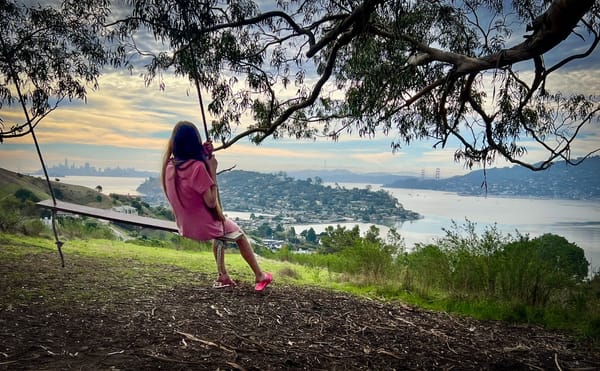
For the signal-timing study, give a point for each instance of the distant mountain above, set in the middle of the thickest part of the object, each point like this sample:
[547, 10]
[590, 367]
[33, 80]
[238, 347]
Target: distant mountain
[559, 181]
[346, 176]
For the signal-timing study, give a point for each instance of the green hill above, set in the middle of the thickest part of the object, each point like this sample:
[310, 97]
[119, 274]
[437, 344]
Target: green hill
[11, 182]
[300, 201]
[581, 182]
[17, 186]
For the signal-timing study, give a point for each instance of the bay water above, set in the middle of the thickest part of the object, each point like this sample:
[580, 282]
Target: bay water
[576, 220]
[110, 184]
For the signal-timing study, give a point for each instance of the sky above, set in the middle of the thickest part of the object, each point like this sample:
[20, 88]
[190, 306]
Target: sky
[127, 124]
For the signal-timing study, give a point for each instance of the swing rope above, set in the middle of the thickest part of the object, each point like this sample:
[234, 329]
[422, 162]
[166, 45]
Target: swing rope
[219, 243]
[198, 90]
[196, 78]
[14, 77]
[57, 241]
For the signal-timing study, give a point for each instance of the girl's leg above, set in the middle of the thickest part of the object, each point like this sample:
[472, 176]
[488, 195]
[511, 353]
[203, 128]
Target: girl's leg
[248, 255]
[219, 254]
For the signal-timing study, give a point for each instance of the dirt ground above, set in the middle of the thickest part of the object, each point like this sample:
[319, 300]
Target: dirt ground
[89, 317]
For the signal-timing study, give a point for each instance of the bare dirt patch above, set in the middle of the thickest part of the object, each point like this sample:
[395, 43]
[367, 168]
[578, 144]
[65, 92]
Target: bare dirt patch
[92, 316]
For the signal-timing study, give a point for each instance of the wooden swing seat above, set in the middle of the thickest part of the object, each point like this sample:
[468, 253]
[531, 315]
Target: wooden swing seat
[111, 215]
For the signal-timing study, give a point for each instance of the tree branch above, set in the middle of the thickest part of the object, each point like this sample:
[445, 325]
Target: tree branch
[550, 29]
[316, 91]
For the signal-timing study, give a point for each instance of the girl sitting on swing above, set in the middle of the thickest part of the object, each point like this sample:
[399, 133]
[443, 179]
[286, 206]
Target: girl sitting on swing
[188, 180]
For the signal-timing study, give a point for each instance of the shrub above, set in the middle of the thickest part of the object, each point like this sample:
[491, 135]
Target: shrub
[368, 258]
[284, 254]
[465, 263]
[334, 240]
[84, 228]
[14, 212]
[23, 195]
[58, 193]
[428, 268]
[33, 227]
[540, 269]
[9, 220]
[183, 243]
[150, 242]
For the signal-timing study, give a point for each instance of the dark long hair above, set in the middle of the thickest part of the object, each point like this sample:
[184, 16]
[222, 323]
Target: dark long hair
[185, 144]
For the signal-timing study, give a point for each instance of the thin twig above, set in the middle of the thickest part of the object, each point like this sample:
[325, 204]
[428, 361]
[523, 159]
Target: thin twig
[556, 361]
[205, 342]
[165, 359]
[224, 170]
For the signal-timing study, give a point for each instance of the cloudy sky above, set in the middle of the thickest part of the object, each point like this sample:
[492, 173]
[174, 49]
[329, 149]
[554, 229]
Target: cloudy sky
[127, 124]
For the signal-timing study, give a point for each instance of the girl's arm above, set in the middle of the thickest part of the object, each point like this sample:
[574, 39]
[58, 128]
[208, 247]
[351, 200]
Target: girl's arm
[211, 195]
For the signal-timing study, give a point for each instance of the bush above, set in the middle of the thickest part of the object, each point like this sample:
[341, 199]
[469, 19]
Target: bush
[9, 220]
[150, 242]
[369, 259]
[541, 272]
[428, 268]
[462, 263]
[23, 195]
[538, 270]
[33, 227]
[84, 228]
[345, 251]
[332, 262]
[334, 240]
[183, 243]
[472, 258]
[58, 193]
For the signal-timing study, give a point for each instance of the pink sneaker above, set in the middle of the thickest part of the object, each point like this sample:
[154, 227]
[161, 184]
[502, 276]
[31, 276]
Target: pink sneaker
[260, 286]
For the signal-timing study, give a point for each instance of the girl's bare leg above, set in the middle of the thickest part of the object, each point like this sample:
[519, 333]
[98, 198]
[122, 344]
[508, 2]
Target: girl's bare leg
[220, 259]
[248, 255]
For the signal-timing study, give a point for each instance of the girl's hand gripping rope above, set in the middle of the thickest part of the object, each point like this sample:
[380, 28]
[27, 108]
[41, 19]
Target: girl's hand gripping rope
[208, 148]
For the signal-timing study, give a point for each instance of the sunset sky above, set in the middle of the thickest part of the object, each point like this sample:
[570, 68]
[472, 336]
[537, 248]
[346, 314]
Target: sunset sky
[127, 124]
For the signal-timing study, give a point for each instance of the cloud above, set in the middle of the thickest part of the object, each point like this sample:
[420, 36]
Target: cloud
[19, 159]
[582, 81]
[278, 156]
[265, 151]
[378, 161]
[123, 113]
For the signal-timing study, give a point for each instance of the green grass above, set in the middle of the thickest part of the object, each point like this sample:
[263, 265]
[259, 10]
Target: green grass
[193, 261]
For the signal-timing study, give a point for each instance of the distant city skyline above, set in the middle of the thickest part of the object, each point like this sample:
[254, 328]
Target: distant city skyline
[87, 166]
[431, 173]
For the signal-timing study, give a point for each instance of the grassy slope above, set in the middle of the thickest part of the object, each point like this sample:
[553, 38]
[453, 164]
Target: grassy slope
[10, 182]
[199, 262]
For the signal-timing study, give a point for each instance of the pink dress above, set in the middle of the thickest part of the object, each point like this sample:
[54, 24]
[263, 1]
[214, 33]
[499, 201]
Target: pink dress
[194, 219]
